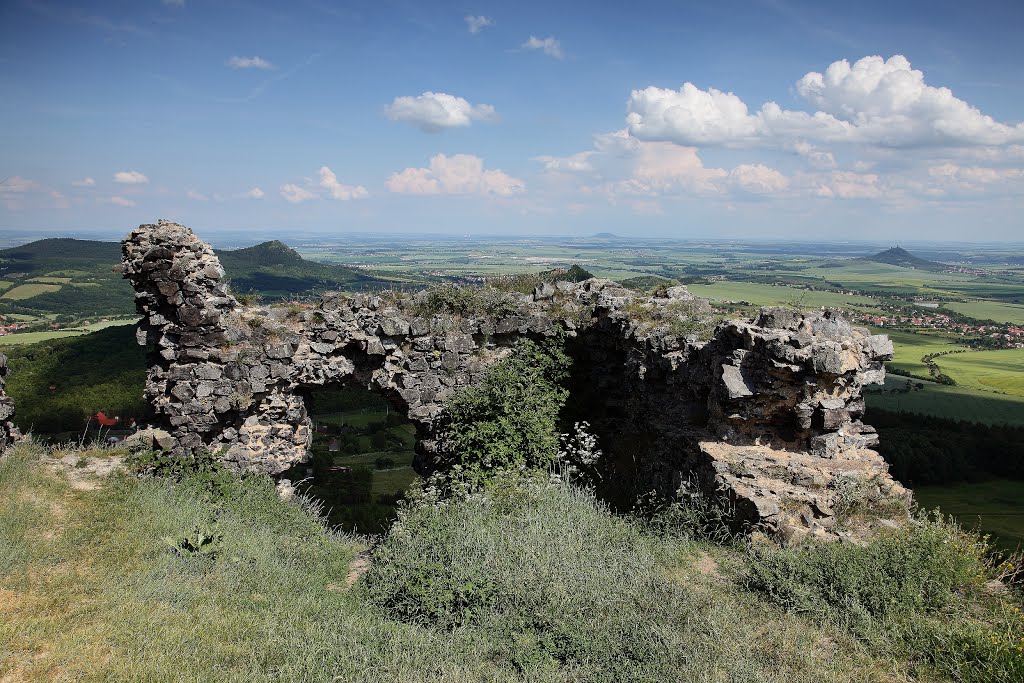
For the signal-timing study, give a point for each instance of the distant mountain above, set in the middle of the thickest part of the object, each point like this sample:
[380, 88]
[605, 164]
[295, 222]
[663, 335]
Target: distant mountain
[73, 278]
[607, 235]
[898, 256]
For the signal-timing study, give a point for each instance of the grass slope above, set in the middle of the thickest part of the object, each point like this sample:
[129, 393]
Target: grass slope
[1000, 371]
[525, 583]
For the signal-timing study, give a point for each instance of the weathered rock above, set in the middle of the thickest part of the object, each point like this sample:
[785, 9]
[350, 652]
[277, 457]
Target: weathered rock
[8, 432]
[765, 413]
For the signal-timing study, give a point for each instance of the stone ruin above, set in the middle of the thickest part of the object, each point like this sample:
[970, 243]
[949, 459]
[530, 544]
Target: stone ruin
[765, 414]
[8, 432]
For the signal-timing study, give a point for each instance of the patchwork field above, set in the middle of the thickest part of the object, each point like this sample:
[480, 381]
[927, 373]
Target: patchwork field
[20, 338]
[29, 290]
[774, 295]
[948, 402]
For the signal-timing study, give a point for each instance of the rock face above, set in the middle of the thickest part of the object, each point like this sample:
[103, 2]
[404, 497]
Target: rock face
[8, 432]
[765, 413]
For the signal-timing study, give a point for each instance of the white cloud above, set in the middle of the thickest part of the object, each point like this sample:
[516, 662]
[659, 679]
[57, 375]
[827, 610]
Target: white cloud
[253, 193]
[876, 102]
[14, 189]
[249, 63]
[433, 112]
[122, 201]
[661, 167]
[174, 3]
[475, 24]
[295, 194]
[816, 157]
[549, 46]
[574, 163]
[340, 191]
[197, 196]
[457, 174]
[953, 178]
[849, 185]
[758, 179]
[84, 182]
[130, 178]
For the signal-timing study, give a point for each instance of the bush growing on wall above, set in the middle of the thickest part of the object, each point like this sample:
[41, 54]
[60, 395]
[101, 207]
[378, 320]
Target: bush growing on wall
[510, 420]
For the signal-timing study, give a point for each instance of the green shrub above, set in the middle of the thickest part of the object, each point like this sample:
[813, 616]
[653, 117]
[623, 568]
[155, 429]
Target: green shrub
[204, 467]
[544, 570]
[509, 420]
[452, 299]
[919, 568]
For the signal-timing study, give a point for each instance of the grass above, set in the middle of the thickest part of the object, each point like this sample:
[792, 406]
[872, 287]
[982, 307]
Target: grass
[528, 582]
[989, 310]
[992, 507]
[950, 402]
[999, 371]
[52, 279]
[21, 338]
[773, 295]
[28, 291]
[910, 347]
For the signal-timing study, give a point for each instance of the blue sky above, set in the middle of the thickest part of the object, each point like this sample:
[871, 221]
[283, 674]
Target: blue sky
[768, 118]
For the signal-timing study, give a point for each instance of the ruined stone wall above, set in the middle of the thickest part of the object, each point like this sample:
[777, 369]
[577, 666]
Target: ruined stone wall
[8, 432]
[766, 412]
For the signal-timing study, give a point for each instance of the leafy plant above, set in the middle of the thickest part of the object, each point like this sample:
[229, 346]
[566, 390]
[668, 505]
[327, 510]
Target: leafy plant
[510, 420]
[200, 542]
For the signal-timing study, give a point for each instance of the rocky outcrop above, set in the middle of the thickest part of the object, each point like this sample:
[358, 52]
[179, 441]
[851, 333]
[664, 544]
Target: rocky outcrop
[766, 413]
[8, 432]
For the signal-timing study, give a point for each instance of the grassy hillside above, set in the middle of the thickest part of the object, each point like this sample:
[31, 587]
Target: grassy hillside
[526, 582]
[68, 280]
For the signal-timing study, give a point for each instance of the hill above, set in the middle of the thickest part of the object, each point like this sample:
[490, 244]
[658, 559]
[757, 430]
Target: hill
[898, 256]
[64, 280]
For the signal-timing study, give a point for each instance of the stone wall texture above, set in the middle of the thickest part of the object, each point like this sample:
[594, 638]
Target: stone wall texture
[766, 413]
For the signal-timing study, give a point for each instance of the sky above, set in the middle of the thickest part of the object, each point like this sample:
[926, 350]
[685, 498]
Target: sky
[759, 118]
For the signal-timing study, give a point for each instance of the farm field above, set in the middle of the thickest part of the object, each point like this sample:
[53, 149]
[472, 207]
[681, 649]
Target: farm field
[909, 347]
[994, 507]
[949, 402]
[1000, 371]
[773, 295]
[989, 310]
[29, 290]
[20, 338]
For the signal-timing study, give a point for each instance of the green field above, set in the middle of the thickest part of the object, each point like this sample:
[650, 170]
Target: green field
[20, 338]
[994, 507]
[949, 402]
[999, 370]
[52, 280]
[989, 310]
[773, 295]
[28, 291]
[909, 347]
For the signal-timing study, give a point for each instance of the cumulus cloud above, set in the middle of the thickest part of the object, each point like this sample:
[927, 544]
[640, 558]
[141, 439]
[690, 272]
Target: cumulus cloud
[457, 174]
[84, 182]
[758, 179]
[475, 24]
[549, 46]
[816, 157]
[249, 63]
[253, 193]
[433, 112]
[573, 163]
[295, 194]
[130, 178]
[339, 191]
[873, 101]
[122, 201]
[849, 185]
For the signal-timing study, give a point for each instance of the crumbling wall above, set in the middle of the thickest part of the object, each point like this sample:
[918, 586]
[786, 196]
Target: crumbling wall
[8, 432]
[767, 413]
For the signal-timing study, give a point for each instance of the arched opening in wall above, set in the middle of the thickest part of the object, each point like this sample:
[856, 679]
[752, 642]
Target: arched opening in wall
[646, 418]
[360, 462]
